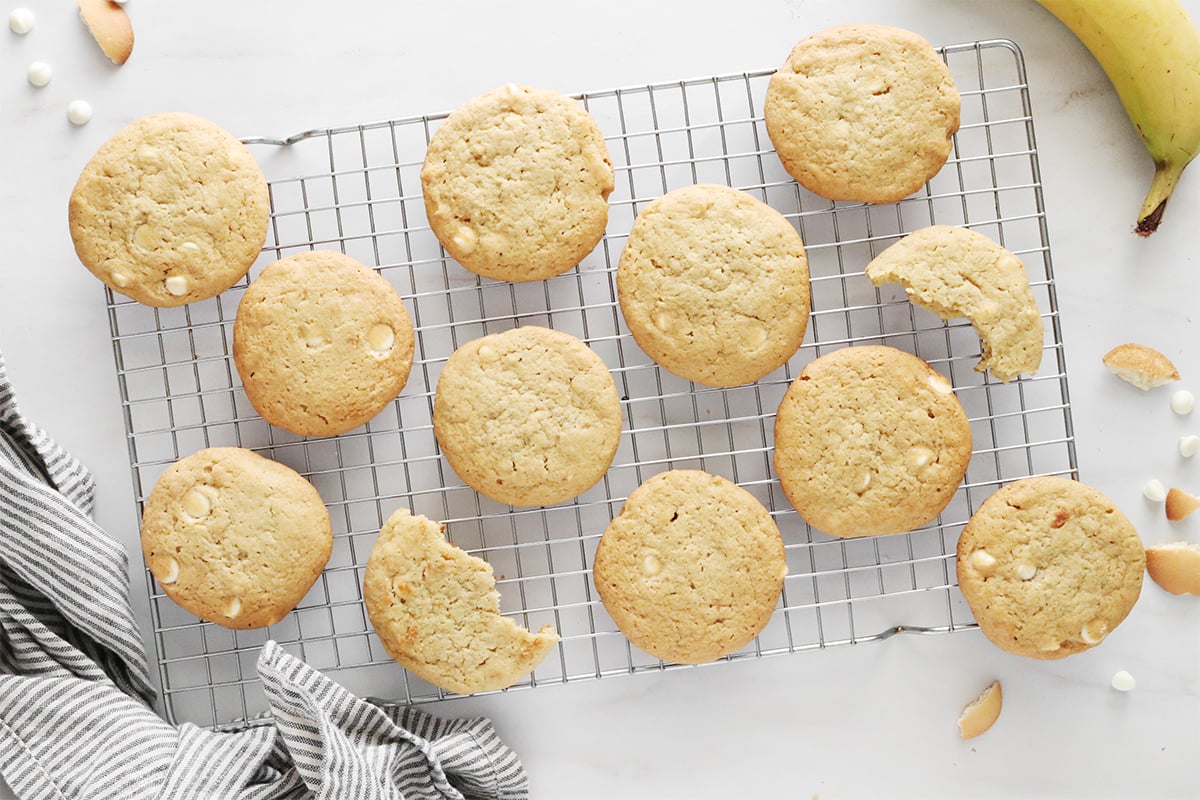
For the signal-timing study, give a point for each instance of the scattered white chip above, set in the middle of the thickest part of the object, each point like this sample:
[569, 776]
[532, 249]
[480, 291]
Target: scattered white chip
[1123, 682]
[40, 73]
[1182, 402]
[1154, 491]
[20, 21]
[79, 112]
[1189, 445]
[120, 2]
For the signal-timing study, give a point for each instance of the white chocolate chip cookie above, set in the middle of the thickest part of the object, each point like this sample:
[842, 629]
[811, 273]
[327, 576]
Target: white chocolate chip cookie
[170, 210]
[235, 538]
[516, 184]
[862, 112]
[957, 272]
[870, 440]
[437, 612]
[528, 417]
[713, 285]
[1065, 567]
[692, 567]
[322, 343]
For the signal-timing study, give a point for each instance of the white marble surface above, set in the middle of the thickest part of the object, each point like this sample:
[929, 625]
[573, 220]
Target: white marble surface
[865, 721]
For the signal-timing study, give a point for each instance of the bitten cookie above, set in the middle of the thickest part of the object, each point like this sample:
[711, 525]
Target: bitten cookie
[437, 612]
[862, 112]
[170, 210]
[956, 272]
[528, 417]
[870, 440]
[322, 343]
[713, 285]
[235, 538]
[692, 567]
[516, 184]
[1049, 567]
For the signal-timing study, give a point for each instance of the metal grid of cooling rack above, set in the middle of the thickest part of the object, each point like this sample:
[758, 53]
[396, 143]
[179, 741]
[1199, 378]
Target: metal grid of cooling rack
[360, 193]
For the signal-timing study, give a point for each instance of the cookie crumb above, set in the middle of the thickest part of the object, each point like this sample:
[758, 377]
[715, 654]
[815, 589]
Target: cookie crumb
[1175, 566]
[1180, 504]
[981, 713]
[1140, 366]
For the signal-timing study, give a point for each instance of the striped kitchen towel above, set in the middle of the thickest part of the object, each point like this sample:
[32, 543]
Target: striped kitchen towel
[75, 694]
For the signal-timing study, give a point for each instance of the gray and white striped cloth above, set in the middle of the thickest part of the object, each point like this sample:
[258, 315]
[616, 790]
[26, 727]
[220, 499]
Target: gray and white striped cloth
[75, 694]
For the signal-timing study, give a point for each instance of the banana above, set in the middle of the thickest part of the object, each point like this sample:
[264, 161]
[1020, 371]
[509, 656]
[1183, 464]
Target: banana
[1150, 50]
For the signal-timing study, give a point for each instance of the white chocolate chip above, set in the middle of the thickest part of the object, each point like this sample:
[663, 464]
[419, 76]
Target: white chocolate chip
[1123, 682]
[314, 340]
[1154, 491]
[1189, 445]
[487, 353]
[79, 112]
[40, 73]
[196, 504]
[1094, 631]
[756, 336]
[465, 239]
[1026, 571]
[940, 385]
[1050, 647]
[189, 249]
[145, 236]
[864, 483]
[662, 319]
[120, 279]
[1182, 403]
[983, 562]
[177, 285]
[380, 339]
[920, 456]
[234, 608]
[652, 565]
[20, 21]
[170, 573]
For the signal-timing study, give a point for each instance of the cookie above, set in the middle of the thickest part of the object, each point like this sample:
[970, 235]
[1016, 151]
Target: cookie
[1049, 567]
[713, 285]
[516, 184]
[870, 440]
[170, 210]
[692, 567]
[437, 612]
[957, 272]
[322, 343]
[862, 112]
[528, 417]
[235, 538]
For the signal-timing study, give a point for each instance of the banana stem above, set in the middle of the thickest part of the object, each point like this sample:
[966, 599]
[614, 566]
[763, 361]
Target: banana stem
[1166, 175]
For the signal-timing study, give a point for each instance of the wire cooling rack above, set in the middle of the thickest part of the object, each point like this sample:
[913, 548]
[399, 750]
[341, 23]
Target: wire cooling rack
[360, 194]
